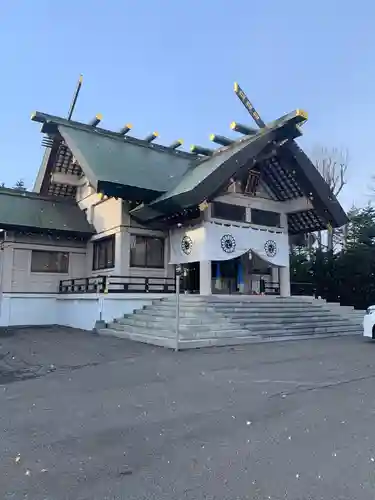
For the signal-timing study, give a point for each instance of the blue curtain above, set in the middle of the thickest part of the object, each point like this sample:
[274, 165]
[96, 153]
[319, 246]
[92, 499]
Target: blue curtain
[239, 273]
[217, 273]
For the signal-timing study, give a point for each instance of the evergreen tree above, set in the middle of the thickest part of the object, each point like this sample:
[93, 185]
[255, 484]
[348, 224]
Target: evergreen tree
[20, 185]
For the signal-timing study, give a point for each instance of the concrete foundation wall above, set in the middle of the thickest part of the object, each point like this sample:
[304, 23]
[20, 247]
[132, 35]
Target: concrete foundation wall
[77, 311]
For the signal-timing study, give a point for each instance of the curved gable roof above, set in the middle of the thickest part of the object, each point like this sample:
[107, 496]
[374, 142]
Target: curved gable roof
[293, 174]
[169, 181]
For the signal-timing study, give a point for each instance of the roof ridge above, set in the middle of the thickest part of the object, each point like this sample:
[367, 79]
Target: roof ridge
[57, 120]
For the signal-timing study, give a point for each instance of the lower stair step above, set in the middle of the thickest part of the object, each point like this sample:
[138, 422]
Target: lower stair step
[311, 331]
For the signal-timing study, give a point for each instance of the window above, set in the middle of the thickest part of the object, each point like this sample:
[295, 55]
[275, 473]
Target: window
[146, 251]
[104, 253]
[228, 212]
[43, 261]
[265, 218]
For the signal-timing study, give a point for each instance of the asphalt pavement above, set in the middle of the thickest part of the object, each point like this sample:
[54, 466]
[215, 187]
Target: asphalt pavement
[85, 417]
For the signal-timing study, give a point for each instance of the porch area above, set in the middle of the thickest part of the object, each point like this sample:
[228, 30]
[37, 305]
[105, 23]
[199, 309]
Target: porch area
[216, 257]
[239, 276]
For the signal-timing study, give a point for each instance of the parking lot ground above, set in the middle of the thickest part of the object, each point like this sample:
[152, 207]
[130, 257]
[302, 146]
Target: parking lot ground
[88, 417]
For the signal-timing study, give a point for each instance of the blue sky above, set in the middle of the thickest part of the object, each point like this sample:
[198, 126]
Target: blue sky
[170, 66]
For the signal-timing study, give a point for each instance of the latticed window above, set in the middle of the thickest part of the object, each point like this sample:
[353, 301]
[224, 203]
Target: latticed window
[228, 212]
[45, 261]
[250, 187]
[146, 251]
[265, 218]
[104, 253]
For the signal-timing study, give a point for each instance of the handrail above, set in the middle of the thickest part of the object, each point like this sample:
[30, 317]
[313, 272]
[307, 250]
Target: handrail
[160, 284]
[118, 284]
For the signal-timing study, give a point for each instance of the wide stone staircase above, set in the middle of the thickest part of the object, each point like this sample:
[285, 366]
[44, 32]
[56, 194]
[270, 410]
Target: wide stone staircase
[229, 320]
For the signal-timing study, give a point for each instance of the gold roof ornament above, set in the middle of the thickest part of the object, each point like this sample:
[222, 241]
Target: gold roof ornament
[203, 206]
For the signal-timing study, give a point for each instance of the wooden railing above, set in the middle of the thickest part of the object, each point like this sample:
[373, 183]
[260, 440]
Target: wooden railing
[83, 285]
[269, 287]
[145, 284]
[303, 288]
[118, 284]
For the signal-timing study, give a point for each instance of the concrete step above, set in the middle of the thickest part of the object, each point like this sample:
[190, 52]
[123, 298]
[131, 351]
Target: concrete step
[272, 330]
[237, 303]
[312, 331]
[234, 307]
[171, 334]
[171, 325]
[232, 313]
[248, 313]
[183, 343]
[240, 305]
[236, 298]
[237, 317]
[231, 320]
[298, 326]
[186, 320]
[204, 317]
[158, 332]
[229, 341]
[190, 313]
[277, 330]
[188, 343]
[260, 321]
[161, 341]
[337, 304]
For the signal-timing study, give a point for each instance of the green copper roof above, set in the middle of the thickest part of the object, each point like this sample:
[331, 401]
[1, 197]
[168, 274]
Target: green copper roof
[24, 210]
[113, 162]
[107, 159]
[170, 181]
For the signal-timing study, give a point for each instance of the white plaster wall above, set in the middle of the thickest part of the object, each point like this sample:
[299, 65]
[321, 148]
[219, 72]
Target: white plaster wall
[17, 275]
[105, 214]
[132, 228]
[108, 217]
[111, 216]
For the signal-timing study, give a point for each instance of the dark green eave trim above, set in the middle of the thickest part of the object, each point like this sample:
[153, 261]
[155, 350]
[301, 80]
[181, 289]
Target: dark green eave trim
[129, 193]
[41, 230]
[145, 213]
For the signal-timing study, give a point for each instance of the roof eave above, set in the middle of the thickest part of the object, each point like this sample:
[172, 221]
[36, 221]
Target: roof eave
[129, 193]
[315, 187]
[42, 230]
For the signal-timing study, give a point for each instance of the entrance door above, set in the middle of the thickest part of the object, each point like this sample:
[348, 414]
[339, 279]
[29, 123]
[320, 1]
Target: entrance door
[190, 278]
[228, 272]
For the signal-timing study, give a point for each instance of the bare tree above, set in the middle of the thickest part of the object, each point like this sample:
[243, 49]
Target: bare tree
[333, 166]
[332, 163]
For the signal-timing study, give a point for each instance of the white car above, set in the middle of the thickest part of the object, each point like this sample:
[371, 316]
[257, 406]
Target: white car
[369, 323]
